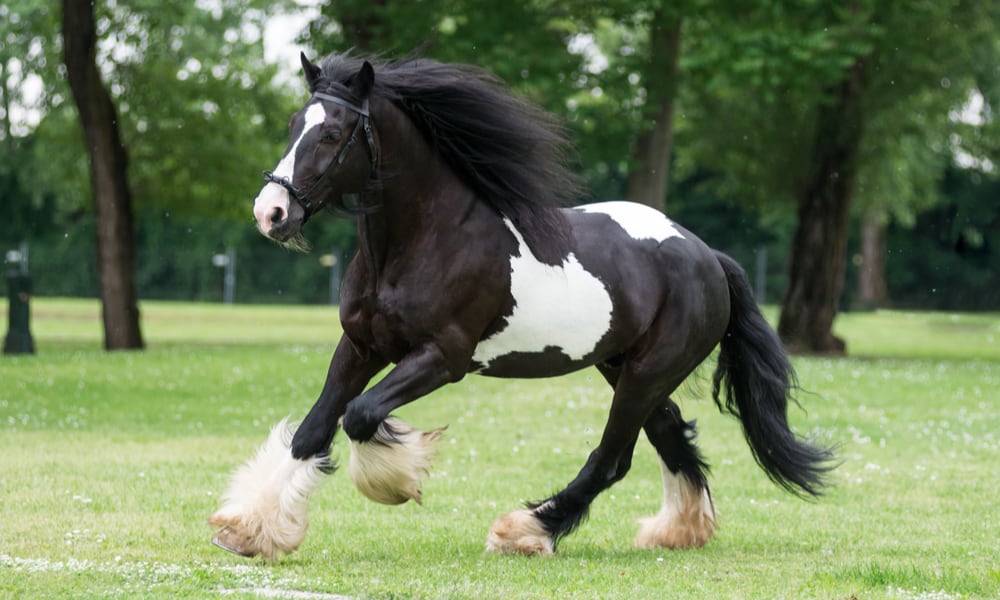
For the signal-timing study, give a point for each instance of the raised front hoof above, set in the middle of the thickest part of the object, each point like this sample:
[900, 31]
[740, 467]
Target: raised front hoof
[390, 467]
[233, 541]
[519, 532]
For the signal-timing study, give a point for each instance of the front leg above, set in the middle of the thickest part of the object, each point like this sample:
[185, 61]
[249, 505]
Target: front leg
[388, 457]
[265, 509]
[350, 370]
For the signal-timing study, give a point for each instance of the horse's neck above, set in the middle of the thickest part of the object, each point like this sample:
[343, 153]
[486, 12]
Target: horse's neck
[417, 193]
[372, 244]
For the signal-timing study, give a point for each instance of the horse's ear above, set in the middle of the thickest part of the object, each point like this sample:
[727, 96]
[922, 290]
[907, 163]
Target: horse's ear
[311, 71]
[364, 80]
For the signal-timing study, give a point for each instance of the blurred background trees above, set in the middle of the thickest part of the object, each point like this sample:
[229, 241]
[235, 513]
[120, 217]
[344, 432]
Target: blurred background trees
[846, 155]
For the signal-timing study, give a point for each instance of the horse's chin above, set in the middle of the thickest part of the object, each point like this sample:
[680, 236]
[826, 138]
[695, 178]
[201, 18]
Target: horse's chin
[296, 242]
[288, 234]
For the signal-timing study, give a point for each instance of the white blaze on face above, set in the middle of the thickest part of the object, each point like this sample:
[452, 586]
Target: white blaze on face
[641, 222]
[272, 196]
[562, 306]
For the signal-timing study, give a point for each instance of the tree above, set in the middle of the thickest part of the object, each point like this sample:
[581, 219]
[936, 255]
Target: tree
[825, 106]
[894, 74]
[819, 248]
[873, 291]
[180, 113]
[109, 174]
[624, 111]
[650, 167]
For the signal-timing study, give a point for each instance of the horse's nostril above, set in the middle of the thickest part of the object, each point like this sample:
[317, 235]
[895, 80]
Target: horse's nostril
[277, 215]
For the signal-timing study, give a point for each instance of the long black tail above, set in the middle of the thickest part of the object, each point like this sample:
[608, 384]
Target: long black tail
[757, 377]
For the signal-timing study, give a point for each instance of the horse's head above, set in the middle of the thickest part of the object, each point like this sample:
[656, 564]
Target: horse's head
[331, 153]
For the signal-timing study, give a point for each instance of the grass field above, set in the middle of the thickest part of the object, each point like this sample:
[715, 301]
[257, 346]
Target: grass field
[110, 463]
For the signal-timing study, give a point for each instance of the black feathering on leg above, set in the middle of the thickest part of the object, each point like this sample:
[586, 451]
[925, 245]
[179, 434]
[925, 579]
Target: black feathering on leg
[673, 438]
[559, 515]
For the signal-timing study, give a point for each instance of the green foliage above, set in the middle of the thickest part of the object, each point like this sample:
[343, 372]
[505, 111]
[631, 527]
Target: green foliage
[196, 103]
[756, 81]
[26, 30]
[949, 255]
[524, 43]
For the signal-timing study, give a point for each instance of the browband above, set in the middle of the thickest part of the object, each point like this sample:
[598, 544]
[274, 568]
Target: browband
[361, 110]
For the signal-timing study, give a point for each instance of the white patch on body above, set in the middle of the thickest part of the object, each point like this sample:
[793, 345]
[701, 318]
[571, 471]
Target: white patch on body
[641, 222]
[562, 306]
[272, 195]
[686, 519]
[266, 505]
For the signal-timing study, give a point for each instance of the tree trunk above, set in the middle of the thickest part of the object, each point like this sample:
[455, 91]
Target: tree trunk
[872, 289]
[819, 248]
[647, 181]
[108, 163]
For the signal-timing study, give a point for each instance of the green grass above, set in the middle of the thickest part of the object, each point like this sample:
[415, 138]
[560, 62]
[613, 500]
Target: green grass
[110, 463]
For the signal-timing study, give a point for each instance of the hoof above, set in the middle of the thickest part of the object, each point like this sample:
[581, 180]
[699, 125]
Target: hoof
[231, 540]
[657, 533]
[390, 467]
[265, 509]
[519, 532]
[688, 523]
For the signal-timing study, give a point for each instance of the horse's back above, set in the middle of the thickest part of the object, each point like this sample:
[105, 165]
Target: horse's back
[639, 250]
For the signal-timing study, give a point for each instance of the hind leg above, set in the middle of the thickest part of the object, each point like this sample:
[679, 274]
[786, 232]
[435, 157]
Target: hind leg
[687, 517]
[538, 528]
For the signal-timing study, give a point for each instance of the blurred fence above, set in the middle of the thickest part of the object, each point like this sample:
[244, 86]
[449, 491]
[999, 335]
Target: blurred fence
[178, 260]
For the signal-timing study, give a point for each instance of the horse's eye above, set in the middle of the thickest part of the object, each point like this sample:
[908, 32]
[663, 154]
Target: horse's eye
[332, 137]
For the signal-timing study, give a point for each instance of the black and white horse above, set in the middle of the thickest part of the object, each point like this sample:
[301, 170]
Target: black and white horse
[468, 263]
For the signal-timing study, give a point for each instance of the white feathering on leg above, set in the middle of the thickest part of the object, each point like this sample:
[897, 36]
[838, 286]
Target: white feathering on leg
[519, 532]
[686, 520]
[266, 505]
[389, 468]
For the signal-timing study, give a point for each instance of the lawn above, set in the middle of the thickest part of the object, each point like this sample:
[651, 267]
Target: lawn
[112, 461]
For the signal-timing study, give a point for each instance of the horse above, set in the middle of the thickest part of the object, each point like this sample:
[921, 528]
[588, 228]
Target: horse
[472, 260]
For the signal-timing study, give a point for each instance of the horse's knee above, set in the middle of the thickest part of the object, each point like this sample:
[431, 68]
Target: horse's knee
[310, 441]
[360, 421]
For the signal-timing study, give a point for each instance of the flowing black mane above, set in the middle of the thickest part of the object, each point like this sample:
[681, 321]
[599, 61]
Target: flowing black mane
[510, 152]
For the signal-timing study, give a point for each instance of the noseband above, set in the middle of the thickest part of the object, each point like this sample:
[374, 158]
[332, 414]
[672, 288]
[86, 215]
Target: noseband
[305, 198]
